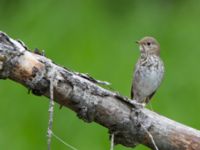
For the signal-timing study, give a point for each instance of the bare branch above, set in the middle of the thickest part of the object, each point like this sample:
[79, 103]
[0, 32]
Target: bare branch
[92, 102]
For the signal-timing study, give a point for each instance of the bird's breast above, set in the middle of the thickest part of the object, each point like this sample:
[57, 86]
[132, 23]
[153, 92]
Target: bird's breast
[149, 74]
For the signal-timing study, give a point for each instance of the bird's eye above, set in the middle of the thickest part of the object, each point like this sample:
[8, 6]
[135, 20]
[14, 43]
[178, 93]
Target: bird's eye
[148, 43]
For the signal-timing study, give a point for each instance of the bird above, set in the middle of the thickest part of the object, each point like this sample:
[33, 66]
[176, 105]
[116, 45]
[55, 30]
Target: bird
[149, 71]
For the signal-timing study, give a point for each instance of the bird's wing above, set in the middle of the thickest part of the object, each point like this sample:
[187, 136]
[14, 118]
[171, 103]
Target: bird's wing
[132, 92]
[149, 97]
[135, 77]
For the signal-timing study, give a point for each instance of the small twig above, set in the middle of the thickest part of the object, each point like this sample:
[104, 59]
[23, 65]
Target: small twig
[150, 136]
[62, 141]
[51, 110]
[112, 141]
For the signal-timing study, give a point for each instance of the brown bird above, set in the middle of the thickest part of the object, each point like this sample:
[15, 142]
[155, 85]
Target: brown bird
[149, 71]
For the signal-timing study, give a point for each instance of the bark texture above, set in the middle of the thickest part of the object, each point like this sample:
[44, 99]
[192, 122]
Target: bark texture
[80, 93]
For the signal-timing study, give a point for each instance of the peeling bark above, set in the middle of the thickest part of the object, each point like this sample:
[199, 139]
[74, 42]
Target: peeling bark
[80, 93]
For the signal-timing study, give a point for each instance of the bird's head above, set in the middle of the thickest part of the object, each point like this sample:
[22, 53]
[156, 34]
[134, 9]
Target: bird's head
[149, 45]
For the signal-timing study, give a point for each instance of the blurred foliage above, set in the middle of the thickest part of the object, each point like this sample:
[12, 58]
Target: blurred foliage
[97, 37]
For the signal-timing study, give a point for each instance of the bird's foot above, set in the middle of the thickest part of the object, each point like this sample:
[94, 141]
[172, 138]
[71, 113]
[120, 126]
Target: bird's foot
[137, 105]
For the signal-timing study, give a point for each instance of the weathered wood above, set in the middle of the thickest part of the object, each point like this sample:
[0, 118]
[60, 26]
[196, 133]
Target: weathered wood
[91, 102]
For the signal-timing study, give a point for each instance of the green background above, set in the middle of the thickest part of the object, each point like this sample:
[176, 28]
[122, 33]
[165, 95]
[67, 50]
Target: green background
[98, 37]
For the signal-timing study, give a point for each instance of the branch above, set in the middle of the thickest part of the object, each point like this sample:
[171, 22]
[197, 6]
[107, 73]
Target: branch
[80, 93]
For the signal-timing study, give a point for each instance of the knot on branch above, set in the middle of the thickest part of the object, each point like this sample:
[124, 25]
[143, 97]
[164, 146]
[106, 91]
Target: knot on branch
[122, 134]
[41, 78]
[41, 87]
[131, 131]
[87, 113]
